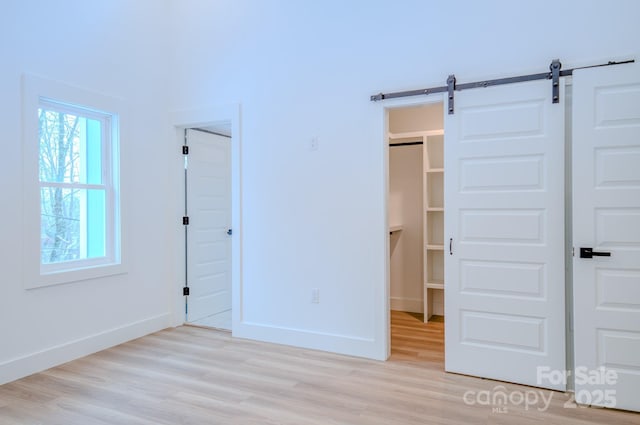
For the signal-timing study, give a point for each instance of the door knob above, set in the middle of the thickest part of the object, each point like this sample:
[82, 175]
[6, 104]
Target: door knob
[229, 232]
[590, 253]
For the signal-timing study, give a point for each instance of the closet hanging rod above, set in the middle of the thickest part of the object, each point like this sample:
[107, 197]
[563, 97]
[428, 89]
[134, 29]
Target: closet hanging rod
[202, 130]
[405, 144]
[452, 85]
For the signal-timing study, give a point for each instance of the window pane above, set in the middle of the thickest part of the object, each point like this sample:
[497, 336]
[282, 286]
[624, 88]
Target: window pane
[70, 148]
[73, 224]
[93, 152]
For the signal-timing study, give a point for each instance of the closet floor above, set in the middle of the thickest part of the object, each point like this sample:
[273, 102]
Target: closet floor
[412, 340]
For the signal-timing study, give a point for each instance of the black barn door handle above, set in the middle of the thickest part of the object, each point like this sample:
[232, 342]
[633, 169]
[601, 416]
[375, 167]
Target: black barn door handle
[590, 253]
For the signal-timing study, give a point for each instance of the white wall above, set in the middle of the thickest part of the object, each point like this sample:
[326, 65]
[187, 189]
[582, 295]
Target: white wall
[116, 48]
[406, 209]
[301, 69]
[418, 118]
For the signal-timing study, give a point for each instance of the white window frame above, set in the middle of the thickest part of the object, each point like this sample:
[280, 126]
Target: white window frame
[37, 93]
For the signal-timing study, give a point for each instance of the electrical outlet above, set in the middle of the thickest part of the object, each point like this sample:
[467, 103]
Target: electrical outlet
[315, 296]
[314, 144]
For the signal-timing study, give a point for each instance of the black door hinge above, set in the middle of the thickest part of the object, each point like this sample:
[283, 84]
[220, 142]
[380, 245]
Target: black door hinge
[185, 291]
[185, 221]
[185, 150]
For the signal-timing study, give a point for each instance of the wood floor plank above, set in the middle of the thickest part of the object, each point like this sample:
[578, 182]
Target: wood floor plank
[191, 375]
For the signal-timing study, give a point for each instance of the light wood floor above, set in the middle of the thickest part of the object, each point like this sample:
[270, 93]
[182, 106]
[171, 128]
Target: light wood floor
[191, 375]
[413, 341]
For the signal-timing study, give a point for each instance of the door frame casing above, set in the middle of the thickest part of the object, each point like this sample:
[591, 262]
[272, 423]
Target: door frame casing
[399, 103]
[204, 117]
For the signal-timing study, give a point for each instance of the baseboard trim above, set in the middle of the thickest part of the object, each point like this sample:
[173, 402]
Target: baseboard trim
[412, 305]
[36, 362]
[341, 344]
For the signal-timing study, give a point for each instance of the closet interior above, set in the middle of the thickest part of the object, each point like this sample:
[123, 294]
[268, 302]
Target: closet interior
[416, 210]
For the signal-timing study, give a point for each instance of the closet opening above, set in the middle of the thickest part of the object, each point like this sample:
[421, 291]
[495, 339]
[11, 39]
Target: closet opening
[415, 210]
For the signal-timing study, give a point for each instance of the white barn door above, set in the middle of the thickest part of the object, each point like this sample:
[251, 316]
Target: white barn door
[209, 205]
[606, 218]
[504, 233]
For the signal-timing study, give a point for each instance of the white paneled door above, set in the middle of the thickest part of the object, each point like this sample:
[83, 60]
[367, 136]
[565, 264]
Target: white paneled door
[209, 210]
[606, 221]
[504, 234]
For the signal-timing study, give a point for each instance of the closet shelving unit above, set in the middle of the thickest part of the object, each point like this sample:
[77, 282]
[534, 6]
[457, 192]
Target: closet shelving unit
[433, 154]
[433, 211]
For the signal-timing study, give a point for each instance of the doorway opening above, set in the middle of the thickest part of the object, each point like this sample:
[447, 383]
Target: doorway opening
[416, 232]
[208, 152]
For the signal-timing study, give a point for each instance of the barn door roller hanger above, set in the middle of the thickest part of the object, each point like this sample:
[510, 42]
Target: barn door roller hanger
[554, 74]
